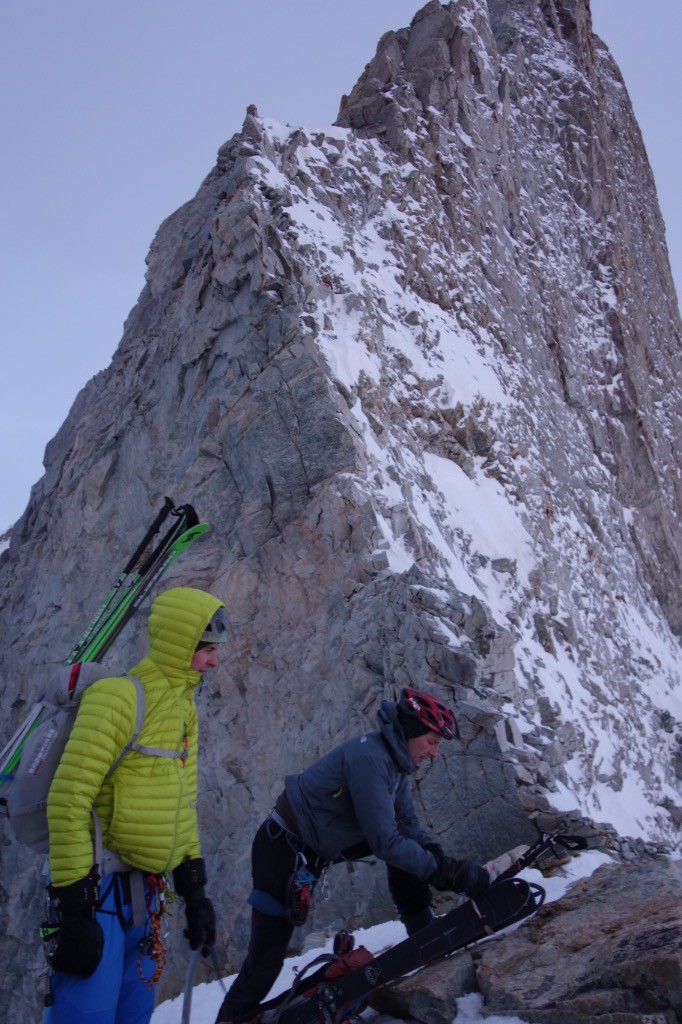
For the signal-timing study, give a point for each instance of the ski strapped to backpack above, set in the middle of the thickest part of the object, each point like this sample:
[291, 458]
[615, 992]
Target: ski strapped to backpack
[28, 762]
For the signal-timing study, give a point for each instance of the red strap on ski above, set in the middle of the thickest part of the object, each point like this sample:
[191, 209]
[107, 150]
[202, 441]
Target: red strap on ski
[73, 679]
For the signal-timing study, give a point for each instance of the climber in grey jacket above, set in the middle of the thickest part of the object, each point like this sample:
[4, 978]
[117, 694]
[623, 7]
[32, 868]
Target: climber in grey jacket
[360, 792]
[352, 803]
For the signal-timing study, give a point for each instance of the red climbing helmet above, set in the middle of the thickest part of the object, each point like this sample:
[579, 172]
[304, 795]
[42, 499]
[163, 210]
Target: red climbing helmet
[432, 713]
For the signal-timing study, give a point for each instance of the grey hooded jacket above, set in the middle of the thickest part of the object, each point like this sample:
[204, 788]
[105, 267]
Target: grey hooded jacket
[360, 791]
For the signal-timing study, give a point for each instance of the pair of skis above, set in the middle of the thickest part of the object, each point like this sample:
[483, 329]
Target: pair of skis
[133, 585]
[330, 996]
[145, 567]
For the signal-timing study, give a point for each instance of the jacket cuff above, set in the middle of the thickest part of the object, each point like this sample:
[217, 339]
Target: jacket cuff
[190, 876]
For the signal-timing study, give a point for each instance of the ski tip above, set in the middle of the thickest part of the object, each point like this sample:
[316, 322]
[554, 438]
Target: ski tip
[200, 531]
[193, 533]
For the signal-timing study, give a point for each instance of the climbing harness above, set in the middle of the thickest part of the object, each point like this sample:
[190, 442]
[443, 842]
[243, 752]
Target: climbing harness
[152, 945]
[300, 888]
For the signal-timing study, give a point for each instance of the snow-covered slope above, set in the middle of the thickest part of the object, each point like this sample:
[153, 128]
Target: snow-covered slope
[489, 389]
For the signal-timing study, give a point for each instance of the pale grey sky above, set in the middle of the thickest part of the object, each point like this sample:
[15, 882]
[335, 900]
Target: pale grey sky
[111, 116]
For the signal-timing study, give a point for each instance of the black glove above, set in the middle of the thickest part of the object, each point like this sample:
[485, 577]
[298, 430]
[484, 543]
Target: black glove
[437, 850]
[79, 942]
[189, 879]
[79, 947]
[200, 928]
[441, 864]
[459, 875]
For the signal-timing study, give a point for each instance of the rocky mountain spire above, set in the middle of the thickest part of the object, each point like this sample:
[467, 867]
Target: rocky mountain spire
[420, 372]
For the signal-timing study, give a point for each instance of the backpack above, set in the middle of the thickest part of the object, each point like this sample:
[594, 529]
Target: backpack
[25, 803]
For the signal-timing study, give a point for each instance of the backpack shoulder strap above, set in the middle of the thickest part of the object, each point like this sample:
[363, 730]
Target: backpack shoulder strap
[140, 748]
[140, 707]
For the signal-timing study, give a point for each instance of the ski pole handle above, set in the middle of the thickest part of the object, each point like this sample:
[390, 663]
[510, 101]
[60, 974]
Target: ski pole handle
[168, 507]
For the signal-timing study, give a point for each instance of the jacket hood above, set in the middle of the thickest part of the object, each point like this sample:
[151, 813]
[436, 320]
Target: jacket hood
[177, 621]
[394, 737]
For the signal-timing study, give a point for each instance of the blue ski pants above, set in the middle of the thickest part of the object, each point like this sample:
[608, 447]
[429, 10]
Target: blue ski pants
[115, 993]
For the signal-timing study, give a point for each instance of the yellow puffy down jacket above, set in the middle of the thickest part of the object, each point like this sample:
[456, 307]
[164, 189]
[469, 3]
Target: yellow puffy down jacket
[147, 806]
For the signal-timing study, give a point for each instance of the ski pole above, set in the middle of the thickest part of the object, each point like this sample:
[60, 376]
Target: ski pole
[168, 507]
[546, 842]
[189, 981]
[153, 529]
[187, 517]
[134, 597]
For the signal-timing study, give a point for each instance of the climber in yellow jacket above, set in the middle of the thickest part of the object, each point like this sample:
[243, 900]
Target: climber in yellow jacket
[107, 954]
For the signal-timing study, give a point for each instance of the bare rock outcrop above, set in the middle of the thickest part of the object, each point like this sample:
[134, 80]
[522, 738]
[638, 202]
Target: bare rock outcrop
[609, 950]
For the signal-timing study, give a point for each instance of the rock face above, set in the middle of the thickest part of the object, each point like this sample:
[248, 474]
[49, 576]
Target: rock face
[613, 945]
[420, 372]
[611, 949]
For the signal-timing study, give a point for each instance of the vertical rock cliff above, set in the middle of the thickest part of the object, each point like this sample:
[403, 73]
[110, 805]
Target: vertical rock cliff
[421, 373]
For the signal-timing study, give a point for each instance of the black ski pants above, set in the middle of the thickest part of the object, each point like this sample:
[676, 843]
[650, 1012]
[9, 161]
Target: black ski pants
[273, 859]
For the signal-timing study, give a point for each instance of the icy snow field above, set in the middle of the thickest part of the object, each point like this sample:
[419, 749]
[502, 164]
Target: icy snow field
[206, 998]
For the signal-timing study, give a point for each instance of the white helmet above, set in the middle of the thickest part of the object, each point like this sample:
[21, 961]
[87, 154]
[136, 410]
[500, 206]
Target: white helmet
[216, 631]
